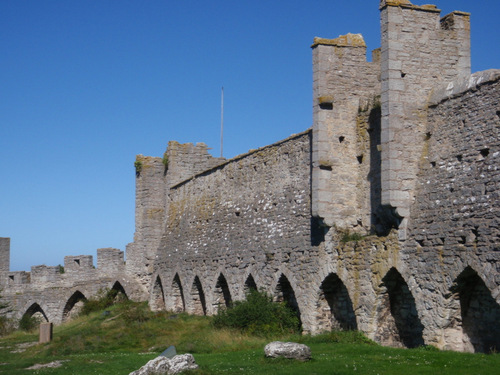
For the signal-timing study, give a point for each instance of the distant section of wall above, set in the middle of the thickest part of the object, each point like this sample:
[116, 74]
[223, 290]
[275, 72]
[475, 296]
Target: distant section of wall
[419, 52]
[344, 84]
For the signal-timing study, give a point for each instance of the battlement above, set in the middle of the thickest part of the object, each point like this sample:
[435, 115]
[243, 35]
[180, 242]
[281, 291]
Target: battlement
[110, 260]
[408, 5]
[43, 275]
[18, 278]
[78, 263]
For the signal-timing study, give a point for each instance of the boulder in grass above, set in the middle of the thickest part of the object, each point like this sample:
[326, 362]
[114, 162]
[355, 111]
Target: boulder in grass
[182, 363]
[167, 366]
[291, 350]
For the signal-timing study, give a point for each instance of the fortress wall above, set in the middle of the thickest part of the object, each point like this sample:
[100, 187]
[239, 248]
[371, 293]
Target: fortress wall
[248, 216]
[455, 225]
[281, 217]
[344, 84]
[419, 52]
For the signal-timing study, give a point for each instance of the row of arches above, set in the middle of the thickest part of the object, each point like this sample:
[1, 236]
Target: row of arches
[71, 308]
[472, 308]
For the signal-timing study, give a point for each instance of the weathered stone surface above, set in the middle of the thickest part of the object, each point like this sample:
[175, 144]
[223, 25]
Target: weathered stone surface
[167, 366]
[290, 350]
[182, 363]
[157, 366]
[384, 217]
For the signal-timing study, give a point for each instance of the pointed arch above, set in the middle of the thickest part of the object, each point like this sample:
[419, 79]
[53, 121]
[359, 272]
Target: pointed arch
[285, 293]
[157, 296]
[335, 310]
[73, 306]
[35, 311]
[222, 295]
[199, 306]
[249, 284]
[179, 304]
[398, 321]
[478, 313]
[119, 292]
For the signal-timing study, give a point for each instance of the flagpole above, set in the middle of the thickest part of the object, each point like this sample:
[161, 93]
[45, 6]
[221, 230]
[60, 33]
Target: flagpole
[221, 121]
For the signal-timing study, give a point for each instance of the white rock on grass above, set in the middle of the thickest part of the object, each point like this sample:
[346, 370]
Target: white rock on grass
[291, 350]
[167, 366]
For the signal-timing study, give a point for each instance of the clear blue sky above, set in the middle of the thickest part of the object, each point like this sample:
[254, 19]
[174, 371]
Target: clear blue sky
[87, 85]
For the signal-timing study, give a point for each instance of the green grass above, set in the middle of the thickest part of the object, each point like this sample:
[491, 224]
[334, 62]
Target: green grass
[130, 335]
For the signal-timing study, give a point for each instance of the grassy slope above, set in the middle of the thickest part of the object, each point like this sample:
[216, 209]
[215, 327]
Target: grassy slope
[129, 336]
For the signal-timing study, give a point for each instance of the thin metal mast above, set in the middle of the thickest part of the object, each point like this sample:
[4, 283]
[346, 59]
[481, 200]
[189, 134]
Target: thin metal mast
[221, 120]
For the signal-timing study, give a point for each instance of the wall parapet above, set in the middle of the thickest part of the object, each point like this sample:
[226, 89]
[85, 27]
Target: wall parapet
[460, 86]
[408, 5]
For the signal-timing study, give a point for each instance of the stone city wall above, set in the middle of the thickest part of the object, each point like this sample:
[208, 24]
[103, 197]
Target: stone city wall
[384, 217]
[55, 293]
[246, 222]
[455, 223]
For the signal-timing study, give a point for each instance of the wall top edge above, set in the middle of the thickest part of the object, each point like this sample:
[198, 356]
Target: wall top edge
[348, 40]
[460, 86]
[241, 156]
[408, 5]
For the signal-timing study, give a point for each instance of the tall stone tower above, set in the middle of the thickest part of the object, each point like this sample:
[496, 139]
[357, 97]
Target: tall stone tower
[420, 51]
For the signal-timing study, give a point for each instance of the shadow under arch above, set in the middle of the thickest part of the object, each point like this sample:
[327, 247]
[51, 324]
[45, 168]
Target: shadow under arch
[398, 321]
[479, 312]
[73, 306]
[199, 306]
[35, 311]
[285, 293]
[222, 295]
[335, 310]
[179, 304]
[157, 296]
[118, 292]
[249, 284]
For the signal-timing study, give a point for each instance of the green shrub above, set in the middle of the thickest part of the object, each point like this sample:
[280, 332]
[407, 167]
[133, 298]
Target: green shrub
[258, 315]
[165, 160]
[6, 325]
[103, 300]
[28, 323]
[138, 167]
[134, 312]
[348, 236]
